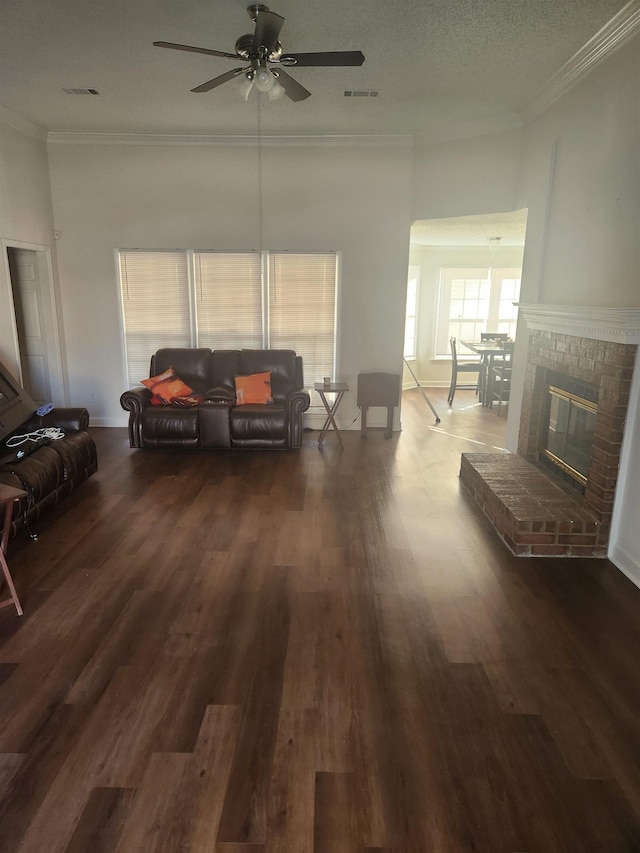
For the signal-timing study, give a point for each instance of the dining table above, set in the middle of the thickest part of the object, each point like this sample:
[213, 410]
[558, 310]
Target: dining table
[487, 350]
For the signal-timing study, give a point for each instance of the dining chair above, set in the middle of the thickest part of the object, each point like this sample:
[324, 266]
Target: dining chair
[464, 367]
[499, 384]
[499, 373]
[494, 336]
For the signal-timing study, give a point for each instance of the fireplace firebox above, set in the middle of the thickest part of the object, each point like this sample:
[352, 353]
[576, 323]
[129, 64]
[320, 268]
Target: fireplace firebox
[568, 429]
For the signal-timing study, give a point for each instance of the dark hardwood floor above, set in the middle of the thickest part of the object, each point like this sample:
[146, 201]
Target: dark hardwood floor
[323, 651]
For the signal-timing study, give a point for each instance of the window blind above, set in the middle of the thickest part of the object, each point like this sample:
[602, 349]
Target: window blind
[155, 304]
[229, 300]
[302, 309]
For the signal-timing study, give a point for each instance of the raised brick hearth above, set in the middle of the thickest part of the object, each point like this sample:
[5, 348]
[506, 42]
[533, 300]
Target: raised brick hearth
[534, 515]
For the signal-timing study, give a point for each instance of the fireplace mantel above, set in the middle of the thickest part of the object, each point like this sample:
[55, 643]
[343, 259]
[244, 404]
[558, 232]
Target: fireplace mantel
[617, 325]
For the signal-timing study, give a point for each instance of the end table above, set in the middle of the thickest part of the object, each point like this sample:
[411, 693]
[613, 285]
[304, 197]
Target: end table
[339, 389]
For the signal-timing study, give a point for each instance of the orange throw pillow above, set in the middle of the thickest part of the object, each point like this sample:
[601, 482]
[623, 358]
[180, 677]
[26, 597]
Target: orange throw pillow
[253, 389]
[166, 386]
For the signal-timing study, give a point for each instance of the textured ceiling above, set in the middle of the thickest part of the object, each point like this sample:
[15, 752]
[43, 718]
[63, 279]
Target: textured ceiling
[435, 63]
[490, 230]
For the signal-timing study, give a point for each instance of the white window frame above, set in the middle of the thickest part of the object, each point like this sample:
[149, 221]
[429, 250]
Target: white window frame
[411, 314]
[472, 325]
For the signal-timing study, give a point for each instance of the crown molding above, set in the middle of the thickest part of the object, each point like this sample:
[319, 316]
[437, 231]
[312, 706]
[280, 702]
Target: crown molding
[335, 140]
[617, 32]
[23, 125]
[617, 325]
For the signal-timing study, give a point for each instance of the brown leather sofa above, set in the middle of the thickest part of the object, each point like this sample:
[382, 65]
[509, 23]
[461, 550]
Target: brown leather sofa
[51, 471]
[217, 422]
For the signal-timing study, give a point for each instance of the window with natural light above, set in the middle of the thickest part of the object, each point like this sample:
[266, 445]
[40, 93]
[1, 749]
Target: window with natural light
[475, 300]
[220, 300]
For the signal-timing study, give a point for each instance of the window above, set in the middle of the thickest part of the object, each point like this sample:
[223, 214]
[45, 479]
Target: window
[229, 301]
[302, 310]
[155, 301]
[411, 313]
[475, 300]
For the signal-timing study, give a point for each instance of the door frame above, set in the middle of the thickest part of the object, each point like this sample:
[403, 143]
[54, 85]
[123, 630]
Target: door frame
[9, 328]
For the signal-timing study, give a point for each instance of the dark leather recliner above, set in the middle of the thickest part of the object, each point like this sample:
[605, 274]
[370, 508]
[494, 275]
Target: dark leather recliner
[218, 422]
[52, 471]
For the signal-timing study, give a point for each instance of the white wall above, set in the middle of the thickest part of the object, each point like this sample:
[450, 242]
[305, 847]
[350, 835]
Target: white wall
[26, 214]
[356, 200]
[466, 177]
[25, 195]
[583, 153]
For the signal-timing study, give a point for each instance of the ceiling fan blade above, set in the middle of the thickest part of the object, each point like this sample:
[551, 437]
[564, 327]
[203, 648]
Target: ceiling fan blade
[336, 57]
[193, 49]
[218, 81]
[292, 88]
[268, 26]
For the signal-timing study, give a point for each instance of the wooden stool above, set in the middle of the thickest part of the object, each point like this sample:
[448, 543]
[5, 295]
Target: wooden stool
[378, 389]
[8, 496]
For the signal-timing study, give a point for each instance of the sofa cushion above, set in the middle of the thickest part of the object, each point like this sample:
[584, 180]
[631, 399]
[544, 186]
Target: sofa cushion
[281, 363]
[40, 473]
[258, 426]
[166, 426]
[191, 365]
[224, 367]
[77, 453]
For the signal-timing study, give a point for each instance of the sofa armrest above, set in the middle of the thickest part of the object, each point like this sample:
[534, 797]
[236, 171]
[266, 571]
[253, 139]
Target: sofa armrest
[297, 398]
[297, 403]
[135, 402]
[136, 399]
[67, 418]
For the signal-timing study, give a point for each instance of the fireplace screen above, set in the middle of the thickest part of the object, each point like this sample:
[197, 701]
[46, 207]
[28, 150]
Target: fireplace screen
[567, 435]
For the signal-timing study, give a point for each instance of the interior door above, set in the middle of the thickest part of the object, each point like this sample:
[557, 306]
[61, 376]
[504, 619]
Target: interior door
[27, 299]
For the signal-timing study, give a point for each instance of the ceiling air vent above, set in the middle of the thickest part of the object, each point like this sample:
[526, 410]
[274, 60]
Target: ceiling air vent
[81, 91]
[362, 93]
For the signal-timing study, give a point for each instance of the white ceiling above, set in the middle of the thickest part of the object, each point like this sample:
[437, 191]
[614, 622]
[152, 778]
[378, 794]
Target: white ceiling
[435, 63]
[493, 231]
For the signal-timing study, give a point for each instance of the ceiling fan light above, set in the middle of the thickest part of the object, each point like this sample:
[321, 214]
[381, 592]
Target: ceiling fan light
[264, 80]
[275, 92]
[245, 85]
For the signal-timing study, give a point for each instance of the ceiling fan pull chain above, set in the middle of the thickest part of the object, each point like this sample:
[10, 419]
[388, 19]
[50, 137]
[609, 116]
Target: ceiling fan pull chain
[259, 100]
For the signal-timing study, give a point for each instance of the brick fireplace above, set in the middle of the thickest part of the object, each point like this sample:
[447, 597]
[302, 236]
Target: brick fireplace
[534, 513]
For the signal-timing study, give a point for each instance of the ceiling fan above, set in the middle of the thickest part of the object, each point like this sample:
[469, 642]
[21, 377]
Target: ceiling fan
[262, 49]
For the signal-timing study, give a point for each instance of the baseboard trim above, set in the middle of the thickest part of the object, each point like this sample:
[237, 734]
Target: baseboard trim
[440, 383]
[107, 422]
[626, 564]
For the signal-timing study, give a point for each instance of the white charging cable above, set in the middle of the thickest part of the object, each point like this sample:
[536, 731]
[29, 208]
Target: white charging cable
[52, 433]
